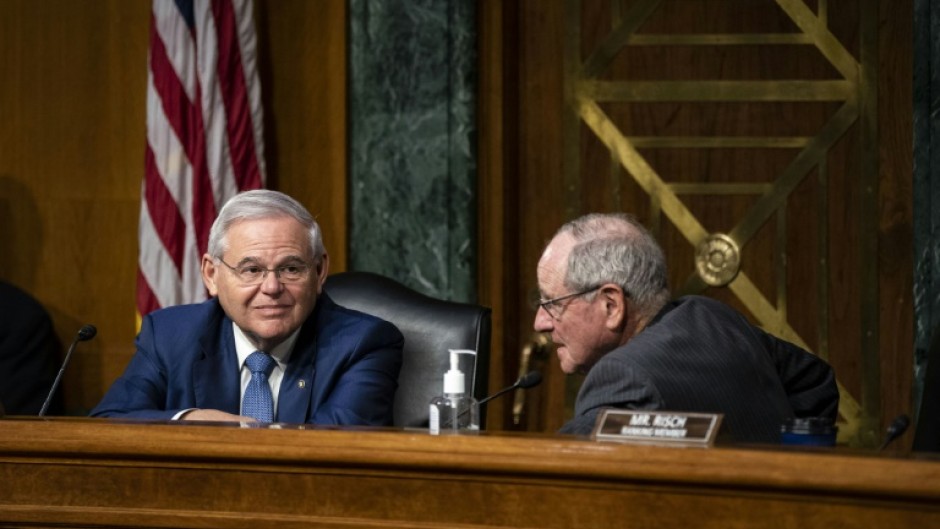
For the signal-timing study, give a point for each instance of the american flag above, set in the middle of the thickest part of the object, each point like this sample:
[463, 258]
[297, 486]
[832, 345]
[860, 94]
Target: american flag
[204, 139]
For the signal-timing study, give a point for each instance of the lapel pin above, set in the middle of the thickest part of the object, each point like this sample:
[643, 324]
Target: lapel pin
[301, 384]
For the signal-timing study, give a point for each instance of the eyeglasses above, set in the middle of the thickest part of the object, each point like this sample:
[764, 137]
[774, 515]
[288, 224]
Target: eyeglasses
[252, 274]
[555, 308]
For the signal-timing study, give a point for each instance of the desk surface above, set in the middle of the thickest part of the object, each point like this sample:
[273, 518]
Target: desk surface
[100, 473]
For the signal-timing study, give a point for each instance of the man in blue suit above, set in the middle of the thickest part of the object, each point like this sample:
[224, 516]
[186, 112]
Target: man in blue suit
[265, 268]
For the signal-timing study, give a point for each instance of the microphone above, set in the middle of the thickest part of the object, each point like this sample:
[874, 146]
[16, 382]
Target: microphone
[897, 427]
[526, 381]
[87, 332]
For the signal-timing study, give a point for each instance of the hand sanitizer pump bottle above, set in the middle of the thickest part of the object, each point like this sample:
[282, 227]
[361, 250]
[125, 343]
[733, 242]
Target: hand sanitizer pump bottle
[455, 411]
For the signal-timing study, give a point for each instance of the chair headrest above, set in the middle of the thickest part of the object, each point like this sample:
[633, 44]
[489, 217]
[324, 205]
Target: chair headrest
[430, 326]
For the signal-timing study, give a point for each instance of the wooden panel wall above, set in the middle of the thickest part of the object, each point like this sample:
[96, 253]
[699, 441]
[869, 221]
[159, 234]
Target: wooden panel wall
[71, 159]
[303, 70]
[72, 123]
[872, 310]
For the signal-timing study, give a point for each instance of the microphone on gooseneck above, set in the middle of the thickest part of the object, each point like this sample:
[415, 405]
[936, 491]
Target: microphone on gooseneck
[87, 332]
[526, 381]
[897, 427]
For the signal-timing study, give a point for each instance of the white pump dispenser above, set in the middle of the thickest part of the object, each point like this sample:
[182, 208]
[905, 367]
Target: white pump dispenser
[454, 380]
[454, 411]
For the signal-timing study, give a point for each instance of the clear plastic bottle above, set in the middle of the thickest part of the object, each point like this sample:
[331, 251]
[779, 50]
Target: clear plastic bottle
[455, 411]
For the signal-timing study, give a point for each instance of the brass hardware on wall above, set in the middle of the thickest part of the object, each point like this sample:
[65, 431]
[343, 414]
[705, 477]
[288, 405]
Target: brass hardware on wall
[717, 259]
[532, 356]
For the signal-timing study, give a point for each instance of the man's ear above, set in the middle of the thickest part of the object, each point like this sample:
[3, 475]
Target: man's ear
[322, 269]
[615, 305]
[209, 272]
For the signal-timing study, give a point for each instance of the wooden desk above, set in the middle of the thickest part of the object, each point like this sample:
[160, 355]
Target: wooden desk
[92, 473]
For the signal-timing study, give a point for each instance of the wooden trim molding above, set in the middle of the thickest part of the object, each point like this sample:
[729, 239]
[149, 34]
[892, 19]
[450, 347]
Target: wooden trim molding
[88, 472]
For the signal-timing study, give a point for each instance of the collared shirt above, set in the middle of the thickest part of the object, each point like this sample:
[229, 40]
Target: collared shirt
[243, 348]
[281, 354]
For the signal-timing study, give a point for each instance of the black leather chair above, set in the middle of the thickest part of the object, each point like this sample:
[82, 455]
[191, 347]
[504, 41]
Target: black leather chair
[431, 327]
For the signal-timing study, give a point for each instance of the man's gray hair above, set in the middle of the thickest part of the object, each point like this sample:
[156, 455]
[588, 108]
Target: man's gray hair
[262, 204]
[616, 248]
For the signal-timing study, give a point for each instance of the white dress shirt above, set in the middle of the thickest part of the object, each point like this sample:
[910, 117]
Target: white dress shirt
[243, 348]
[281, 354]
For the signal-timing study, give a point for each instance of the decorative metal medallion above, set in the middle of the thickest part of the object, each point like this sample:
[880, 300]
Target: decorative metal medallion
[717, 259]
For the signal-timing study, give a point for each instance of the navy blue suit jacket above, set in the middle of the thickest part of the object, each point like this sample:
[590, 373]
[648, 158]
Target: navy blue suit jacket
[343, 369]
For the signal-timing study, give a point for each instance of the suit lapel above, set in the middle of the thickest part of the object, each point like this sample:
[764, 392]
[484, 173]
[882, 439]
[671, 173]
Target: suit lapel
[294, 397]
[216, 380]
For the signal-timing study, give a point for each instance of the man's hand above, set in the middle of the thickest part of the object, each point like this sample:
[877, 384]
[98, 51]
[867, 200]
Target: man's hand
[214, 415]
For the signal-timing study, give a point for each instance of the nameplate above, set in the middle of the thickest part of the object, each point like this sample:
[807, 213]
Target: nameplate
[657, 427]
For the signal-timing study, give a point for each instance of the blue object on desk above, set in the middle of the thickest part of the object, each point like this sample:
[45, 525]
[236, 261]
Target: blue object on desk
[811, 431]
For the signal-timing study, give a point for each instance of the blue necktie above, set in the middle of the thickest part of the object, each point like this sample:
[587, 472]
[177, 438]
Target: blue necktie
[258, 401]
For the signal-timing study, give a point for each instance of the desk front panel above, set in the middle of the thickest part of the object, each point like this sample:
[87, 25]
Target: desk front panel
[63, 472]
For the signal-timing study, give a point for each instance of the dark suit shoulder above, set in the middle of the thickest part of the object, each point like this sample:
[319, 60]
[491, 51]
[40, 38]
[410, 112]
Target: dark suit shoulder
[704, 303]
[194, 312]
[693, 335]
[18, 307]
[185, 324]
[696, 314]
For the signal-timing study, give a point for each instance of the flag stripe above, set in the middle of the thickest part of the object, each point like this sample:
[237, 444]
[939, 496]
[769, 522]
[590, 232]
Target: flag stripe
[169, 225]
[235, 96]
[215, 113]
[180, 113]
[176, 38]
[156, 264]
[146, 300]
[204, 141]
[204, 207]
[247, 41]
[170, 161]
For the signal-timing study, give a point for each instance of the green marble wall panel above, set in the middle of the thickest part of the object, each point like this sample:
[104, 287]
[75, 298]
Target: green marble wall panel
[412, 143]
[926, 183]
